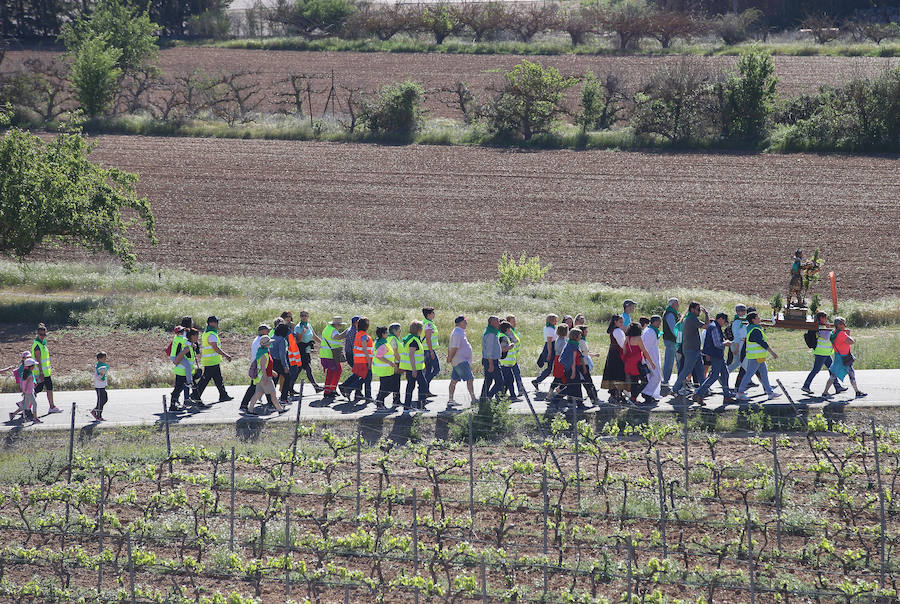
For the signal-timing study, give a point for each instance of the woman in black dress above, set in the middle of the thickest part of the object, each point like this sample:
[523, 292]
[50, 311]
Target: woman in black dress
[614, 378]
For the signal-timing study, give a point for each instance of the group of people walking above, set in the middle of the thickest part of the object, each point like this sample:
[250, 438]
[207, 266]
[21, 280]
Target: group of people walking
[698, 349]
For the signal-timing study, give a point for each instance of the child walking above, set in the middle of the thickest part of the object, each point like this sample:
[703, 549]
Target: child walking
[29, 404]
[17, 371]
[101, 379]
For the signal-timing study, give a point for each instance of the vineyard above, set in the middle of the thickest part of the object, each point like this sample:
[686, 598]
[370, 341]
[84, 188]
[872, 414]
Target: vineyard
[607, 512]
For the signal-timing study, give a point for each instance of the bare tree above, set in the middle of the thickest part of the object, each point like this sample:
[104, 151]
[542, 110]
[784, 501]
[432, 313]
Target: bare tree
[484, 19]
[234, 96]
[629, 22]
[136, 88]
[529, 19]
[384, 21]
[666, 25]
[459, 97]
[291, 101]
[51, 81]
[354, 103]
[876, 32]
[578, 21]
[821, 27]
[168, 97]
[195, 89]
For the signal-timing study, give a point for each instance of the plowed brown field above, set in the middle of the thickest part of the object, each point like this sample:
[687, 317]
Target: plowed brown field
[717, 220]
[369, 71]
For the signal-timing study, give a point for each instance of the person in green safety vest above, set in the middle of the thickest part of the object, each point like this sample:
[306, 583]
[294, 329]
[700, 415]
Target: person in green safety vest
[412, 361]
[430, 340]
[185, 359]
[509, 360]
[329, 354]
[42, 379]
[211, 355]
[757, 351]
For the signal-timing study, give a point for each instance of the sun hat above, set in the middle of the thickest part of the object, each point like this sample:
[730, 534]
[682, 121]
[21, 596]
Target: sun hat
[264, 341]
[29, 362]
[337, 320]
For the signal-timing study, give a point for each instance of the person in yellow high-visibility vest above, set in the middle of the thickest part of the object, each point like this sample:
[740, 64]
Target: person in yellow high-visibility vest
[509, 365]
[183, 366]
[384, 367]
[41, 355]
[211, 355]
[412, 361]
[430, 340]
[329, 354]
[395, 341]
[757, 351]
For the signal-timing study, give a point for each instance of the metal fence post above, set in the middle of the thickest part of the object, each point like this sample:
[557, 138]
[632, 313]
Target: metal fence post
[484, 590]
[130, 567]
[71, 458]
[168, 441]
[287, 550]
[100, 528]
[630, 558]
[471, 471]
[577, 456]
[546, 514]
[687, 474]
[358, 474]
[880, 501]
[662, 503]
[231, 507]
[296, 427]
[415, 539]
[777, 475]
[751, 561]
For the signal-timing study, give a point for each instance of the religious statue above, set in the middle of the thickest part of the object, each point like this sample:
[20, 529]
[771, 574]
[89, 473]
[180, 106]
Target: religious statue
[802, 275]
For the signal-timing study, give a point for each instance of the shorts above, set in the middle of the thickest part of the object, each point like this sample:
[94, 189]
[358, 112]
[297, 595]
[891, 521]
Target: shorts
[45, 384]
[462, 372]
[266, 385]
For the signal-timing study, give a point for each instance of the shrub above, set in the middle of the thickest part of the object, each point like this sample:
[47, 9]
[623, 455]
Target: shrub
[677, 104]
[748, 97]
[512, 272]
[529, 102]
[601, 102]
[396, 113]
[94, 75]
[735, 28]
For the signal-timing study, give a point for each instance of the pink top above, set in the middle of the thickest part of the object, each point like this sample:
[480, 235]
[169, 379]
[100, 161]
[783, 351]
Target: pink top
[841, 346]
[28, 384]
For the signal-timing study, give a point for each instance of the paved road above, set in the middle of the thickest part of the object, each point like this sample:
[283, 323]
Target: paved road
[144, 406]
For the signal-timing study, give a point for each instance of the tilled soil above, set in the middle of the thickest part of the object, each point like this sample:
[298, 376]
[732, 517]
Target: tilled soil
[437, 72]
[652, 220]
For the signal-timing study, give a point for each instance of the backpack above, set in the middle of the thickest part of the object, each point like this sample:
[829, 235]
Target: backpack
[253, 372]
[169, 350]
[728, 333]
[811, 338]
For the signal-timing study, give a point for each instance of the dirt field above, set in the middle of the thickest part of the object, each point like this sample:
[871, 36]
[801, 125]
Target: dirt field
[654, 220]
[435, 71]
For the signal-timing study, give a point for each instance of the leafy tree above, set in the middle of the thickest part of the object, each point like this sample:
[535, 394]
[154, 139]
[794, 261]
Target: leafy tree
[440, 21]
[601, 102]
[50, 191]
[122, 26]
[94, 75]
[484, 19]
[629, 20]
[530, 101]
[578, 21]
[748, 97]
[396, 113]
[313, 18]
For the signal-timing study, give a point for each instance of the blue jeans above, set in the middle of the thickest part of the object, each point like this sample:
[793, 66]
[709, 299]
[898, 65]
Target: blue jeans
[717, 371]
[754, 367]
[511, 377]
[692, 364]
[669, 360]
[432, 366]
[493, 380]
[820, 361]
[355, 382]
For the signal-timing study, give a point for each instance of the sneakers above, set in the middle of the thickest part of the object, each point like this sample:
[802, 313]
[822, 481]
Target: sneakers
[95, 415]
[807, 390]
[826, 395]
[226, 398]
[536, 385]
[741, 397]
[55, 410]
[774, 395]
[838, 388]
[861, 394]
[35, 420]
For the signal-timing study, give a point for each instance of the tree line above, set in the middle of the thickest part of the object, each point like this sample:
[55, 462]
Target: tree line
[627, 19]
